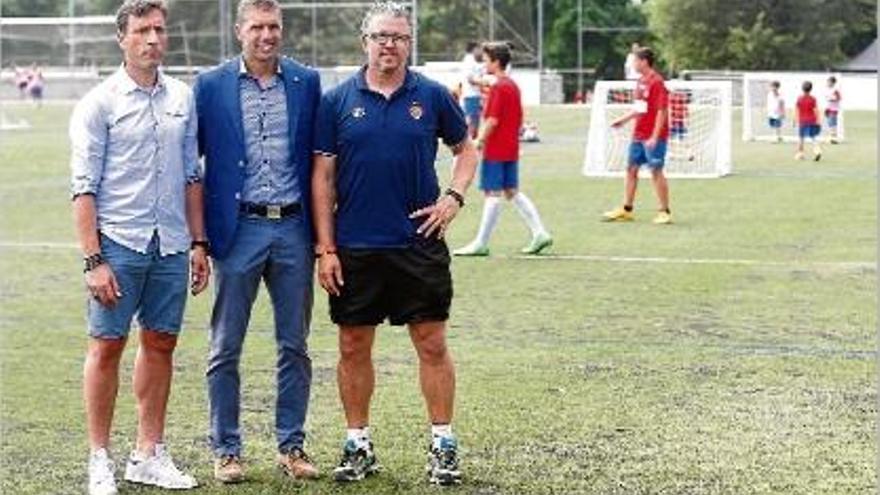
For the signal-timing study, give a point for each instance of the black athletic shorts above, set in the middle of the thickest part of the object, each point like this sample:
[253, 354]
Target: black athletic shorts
[404, 285]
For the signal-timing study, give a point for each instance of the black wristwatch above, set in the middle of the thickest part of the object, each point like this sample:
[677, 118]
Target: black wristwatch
[93, 261]
[456, 196]
[202, 244]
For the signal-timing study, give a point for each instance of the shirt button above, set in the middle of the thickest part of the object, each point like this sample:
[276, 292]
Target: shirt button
[241, 163]
[237, 195]
[265, 137]
[265, 161]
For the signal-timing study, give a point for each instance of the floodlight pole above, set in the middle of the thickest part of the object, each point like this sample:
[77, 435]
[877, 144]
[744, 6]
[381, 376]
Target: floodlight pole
[492, 20]
[580, 51]
[71, 54]
[415, 32]
[540, 36]
[314, 34]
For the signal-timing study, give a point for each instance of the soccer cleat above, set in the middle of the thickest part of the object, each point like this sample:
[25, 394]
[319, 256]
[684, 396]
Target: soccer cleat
[539, 242]
[157, 470]
[296, 464]
[618, 215]
[101, 480]
[442, 464]
[799, 156]
[817, 154]
[472, 249]
[357, 462]
[663, 218]
[228, 469]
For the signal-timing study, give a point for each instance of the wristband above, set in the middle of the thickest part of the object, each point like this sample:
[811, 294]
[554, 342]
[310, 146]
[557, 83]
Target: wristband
[93, 261]
[321, 251]
[455, 195]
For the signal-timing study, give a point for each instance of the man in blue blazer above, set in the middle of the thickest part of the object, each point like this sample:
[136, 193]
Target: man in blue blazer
[256, 116]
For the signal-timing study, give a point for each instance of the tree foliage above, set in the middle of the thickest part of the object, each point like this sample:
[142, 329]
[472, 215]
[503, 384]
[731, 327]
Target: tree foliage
[761, 34]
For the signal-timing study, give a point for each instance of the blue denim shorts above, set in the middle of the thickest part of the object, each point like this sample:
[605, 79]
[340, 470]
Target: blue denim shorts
[153, 288]
[654, 158]
[497, 176]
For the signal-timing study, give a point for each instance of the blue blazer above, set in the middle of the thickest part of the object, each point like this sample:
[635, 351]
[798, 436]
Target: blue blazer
[222, 144]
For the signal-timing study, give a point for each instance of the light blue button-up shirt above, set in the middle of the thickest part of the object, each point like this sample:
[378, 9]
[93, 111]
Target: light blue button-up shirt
[135, 150]
[270, 177]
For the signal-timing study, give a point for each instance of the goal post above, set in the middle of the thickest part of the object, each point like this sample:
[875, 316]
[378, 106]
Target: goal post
[700, 117]
[755, 113]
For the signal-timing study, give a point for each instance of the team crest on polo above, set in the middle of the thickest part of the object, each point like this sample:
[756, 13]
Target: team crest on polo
[416, 111]
[358, 112]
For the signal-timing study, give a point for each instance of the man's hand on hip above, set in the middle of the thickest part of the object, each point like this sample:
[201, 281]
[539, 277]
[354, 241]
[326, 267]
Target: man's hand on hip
[440, 215]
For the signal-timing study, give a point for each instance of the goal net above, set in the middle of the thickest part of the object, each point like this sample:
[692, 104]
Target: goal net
[699, 116]
[756, 105]
[59, 41]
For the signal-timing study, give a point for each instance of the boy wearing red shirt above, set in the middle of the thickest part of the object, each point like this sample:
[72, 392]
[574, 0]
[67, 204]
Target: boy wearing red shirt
[808, 121]
[499, 140]
[648, 146]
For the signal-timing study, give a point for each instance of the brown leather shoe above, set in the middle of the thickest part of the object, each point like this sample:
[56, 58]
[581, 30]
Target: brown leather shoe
[296, 464]
[228, 469]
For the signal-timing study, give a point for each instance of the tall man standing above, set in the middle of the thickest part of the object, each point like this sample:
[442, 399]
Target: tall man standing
[650, 135]
[256, 116]
[137, 202]
[379, 219]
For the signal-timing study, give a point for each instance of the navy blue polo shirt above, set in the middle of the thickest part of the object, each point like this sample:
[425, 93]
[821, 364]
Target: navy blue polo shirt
[385, 152]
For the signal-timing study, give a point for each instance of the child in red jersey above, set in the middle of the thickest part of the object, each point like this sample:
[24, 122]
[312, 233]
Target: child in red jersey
[808, 122]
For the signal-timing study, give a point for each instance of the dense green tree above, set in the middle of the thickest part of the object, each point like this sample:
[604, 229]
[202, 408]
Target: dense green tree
[761, 34]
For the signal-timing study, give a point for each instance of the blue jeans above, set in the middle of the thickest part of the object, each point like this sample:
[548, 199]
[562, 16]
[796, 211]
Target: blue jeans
[275, 251]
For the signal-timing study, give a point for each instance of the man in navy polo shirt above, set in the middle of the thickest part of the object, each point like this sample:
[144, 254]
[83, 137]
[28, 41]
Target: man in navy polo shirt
[379, 218]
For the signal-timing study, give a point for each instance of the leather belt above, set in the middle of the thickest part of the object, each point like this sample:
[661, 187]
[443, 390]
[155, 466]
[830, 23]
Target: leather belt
[273, 212]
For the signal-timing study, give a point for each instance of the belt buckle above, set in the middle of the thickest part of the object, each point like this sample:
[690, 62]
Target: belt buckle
[273, 212]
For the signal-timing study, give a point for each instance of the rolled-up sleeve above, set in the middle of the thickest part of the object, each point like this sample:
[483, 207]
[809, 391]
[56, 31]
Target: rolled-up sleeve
[191, 162]
[88, 144]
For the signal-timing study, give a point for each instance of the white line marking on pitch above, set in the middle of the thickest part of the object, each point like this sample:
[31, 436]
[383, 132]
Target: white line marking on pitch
[575, 257]
[695, 261]
[38, 245]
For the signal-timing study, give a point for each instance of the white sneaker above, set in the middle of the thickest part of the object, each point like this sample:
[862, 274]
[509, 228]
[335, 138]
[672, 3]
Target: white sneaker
[157, 470]
[101, 481]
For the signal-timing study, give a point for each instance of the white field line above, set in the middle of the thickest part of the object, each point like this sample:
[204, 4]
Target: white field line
[696, 261]
[659, 260]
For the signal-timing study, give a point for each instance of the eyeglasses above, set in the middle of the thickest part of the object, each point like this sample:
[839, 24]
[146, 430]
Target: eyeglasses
[384, 38]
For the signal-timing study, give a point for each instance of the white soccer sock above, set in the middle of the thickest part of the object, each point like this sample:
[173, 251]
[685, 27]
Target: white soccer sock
[444, 430]
[491, 212]
[529, 213]
[360, 436]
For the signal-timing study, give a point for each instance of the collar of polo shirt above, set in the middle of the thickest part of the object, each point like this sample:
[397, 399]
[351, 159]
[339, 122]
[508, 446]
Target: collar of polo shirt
[409, 81]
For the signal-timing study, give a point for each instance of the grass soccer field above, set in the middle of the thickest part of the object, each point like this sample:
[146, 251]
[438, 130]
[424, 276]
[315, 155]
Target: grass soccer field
[732, 352]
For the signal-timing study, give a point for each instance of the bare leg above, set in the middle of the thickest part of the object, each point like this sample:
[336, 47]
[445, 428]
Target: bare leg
[661, 188]
[630, 184]
[153, 368]
[355, 373]
[436, 370]
[100, 386]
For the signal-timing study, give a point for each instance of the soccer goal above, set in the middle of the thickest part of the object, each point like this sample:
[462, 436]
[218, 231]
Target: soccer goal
[699, 114]
[756, 88]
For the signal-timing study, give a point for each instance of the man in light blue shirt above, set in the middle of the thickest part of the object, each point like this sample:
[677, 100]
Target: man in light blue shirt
[137, 200]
